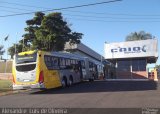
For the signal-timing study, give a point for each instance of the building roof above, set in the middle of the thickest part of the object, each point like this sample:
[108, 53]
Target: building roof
[84, 49]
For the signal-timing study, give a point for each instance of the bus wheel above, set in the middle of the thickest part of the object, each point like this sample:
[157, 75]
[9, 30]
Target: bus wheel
[64, 82]
[91, 80]
[70, 81]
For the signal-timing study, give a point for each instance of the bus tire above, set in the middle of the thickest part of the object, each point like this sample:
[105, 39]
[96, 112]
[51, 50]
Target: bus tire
[64, 82]
[70, 81]
[91, 80]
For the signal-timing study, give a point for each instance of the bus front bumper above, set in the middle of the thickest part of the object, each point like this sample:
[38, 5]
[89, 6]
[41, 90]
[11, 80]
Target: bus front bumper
[31, 86]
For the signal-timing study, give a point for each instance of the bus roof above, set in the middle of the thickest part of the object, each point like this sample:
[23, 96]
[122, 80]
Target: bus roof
[67, 54]
[27, 52]
[59, 54]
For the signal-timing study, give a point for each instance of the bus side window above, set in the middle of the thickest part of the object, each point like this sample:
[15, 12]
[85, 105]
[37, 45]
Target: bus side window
[68, 64]
[73, 64]
[55, 63]
[48, 63]
[62, 63]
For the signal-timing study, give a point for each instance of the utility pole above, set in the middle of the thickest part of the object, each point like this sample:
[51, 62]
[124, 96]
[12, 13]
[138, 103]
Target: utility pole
[6, 39]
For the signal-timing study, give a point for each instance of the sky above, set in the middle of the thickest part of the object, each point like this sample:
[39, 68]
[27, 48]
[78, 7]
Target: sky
[110, 22]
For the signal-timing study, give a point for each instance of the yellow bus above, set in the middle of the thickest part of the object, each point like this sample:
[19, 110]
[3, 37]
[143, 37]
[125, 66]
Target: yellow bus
[45, 70]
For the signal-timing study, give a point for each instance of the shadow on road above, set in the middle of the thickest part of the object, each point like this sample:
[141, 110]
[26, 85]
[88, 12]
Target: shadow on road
[103, 86]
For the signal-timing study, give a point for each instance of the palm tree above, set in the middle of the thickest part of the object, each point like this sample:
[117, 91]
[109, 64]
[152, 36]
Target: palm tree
[139, 36]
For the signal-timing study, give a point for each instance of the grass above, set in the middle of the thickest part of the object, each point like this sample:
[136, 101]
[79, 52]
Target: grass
[5, 85]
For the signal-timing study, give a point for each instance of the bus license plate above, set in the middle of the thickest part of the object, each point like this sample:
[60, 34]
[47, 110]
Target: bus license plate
[26, 87]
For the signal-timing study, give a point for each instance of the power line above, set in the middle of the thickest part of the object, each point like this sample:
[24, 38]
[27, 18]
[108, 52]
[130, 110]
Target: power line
[8, 11]
[112, 14]
[123, 21]
[15, 8]
[109, 17]
[99, 13]
[93, 16]
[120, 14]
[23, 5]
[71, 7]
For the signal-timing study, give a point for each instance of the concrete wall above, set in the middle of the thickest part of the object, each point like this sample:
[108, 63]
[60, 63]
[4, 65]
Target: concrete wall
[6, 76]
[7, 65]
[132, 75]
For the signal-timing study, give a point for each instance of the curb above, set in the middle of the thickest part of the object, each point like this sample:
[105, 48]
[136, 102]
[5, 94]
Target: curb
[12, 92]
[8, 93]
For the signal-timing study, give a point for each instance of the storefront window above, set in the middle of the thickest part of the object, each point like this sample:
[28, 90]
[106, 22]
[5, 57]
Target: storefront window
[123, 65]
[139, 65]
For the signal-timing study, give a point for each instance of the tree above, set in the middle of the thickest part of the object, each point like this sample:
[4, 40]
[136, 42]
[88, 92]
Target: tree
[48, 32]
[157, 66]
[1, 51]
[139, 36]
[14, 49]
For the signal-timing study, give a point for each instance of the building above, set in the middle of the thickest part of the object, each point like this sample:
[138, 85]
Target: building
[131, 58]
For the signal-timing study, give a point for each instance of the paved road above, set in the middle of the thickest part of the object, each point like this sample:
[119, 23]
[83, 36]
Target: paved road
[98, 94]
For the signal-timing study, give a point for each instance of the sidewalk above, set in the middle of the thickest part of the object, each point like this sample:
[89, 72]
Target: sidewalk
[8, 93]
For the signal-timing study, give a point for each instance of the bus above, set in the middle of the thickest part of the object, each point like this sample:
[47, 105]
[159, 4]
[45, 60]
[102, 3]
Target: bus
[46, 70]
[93, 69]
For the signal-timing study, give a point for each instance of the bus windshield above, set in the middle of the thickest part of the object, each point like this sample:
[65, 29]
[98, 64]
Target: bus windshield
[27, 58]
